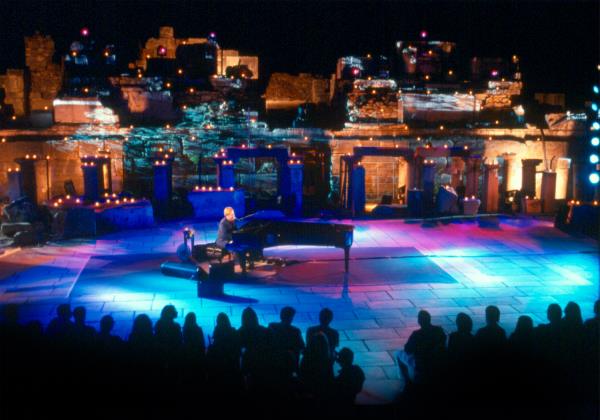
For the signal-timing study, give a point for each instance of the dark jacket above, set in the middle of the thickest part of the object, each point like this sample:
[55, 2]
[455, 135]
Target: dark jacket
[225, 233]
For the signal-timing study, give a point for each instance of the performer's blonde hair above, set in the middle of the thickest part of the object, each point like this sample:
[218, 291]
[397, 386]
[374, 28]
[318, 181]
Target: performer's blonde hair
[227, 211]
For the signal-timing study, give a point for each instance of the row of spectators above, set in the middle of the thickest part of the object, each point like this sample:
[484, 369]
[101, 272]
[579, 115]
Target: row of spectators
[262, 366]
[551, 368]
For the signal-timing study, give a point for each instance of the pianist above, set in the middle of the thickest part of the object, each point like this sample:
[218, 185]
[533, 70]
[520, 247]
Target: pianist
[225, 238]
[226, 228]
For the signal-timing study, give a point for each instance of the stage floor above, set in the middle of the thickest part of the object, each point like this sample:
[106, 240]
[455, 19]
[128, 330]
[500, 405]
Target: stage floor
[396, 269]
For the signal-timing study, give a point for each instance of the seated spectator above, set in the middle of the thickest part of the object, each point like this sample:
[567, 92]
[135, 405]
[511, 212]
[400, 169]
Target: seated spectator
[167, 331]
[141, 336]
[287, 342]
[223, 356]
[350, 379]
[193, 336]
[107, 341]
[592, 329]
[522, 339]
[333, 337]
[461, 342]
[547, 336]
[492, 337]
[83, 334]
[316, 371]
[572, 340]
[61, 327]
[423, 352]
[254, 340]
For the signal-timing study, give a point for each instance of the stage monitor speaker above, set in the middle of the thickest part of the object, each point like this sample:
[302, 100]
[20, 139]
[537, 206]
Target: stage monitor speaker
[218, 273]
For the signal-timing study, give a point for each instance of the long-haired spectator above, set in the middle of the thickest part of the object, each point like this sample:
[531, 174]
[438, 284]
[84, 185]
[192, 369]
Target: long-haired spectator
[254, 340]
[522, 339]
[223, 357]
[193, 336]
[316, 371]
[141, 336]
[167, 331]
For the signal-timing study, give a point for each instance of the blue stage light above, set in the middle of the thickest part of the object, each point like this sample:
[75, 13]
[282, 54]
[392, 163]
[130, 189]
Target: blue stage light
[595, 125]
[594, 106]
[594, 158]
[595, 141]
[595, 89]
[594, 178]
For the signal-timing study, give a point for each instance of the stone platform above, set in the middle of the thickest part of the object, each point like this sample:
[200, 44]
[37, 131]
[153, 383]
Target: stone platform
[396, 268]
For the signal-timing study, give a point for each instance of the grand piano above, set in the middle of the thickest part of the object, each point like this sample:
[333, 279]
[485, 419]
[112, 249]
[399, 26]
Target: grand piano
[268, 229]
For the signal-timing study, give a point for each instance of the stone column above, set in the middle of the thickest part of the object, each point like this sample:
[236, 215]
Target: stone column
[429, 167]
[473, 170]
[510, 173]
[528, 179]
[357, 188]
[293, 197]
[163, 186]
[95, 169]
[225, 174]
[548, 192]
[562, 177]
[15, 184]
[490, 188]
[92, 180]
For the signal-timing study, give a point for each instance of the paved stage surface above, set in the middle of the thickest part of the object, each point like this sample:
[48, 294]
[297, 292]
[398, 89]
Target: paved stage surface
[396, 269]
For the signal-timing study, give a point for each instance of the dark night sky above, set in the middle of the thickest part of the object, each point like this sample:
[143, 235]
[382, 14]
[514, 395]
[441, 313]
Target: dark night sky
[558, 42]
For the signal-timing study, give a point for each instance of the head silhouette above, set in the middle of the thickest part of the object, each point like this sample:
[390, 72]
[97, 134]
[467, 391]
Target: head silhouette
[142, 325]
[464, 323]
[223, 321]
[424, 319]
[554, 313]
[492, 315]
[573, 313]
[524, 325]
[63, 311]
[79, 315]
[168, 313]
[325, 317]
[249, 318]
[287, 315]
[345, 357]
[107, 323]
[190, 320]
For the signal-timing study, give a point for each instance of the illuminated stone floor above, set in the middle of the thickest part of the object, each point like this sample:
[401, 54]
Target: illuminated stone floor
[521, 266]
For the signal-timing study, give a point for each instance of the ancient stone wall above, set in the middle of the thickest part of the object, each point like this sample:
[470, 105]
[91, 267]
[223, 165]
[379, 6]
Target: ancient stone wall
[13, 83]
[384, 175]
[64, 163]
[285, 88]
[45, 76]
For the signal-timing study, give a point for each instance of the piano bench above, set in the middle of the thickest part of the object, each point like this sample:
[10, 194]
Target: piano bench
[213, 252]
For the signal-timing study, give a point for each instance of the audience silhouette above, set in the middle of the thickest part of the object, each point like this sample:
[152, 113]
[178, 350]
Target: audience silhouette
[333, 337]
[550, 370]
